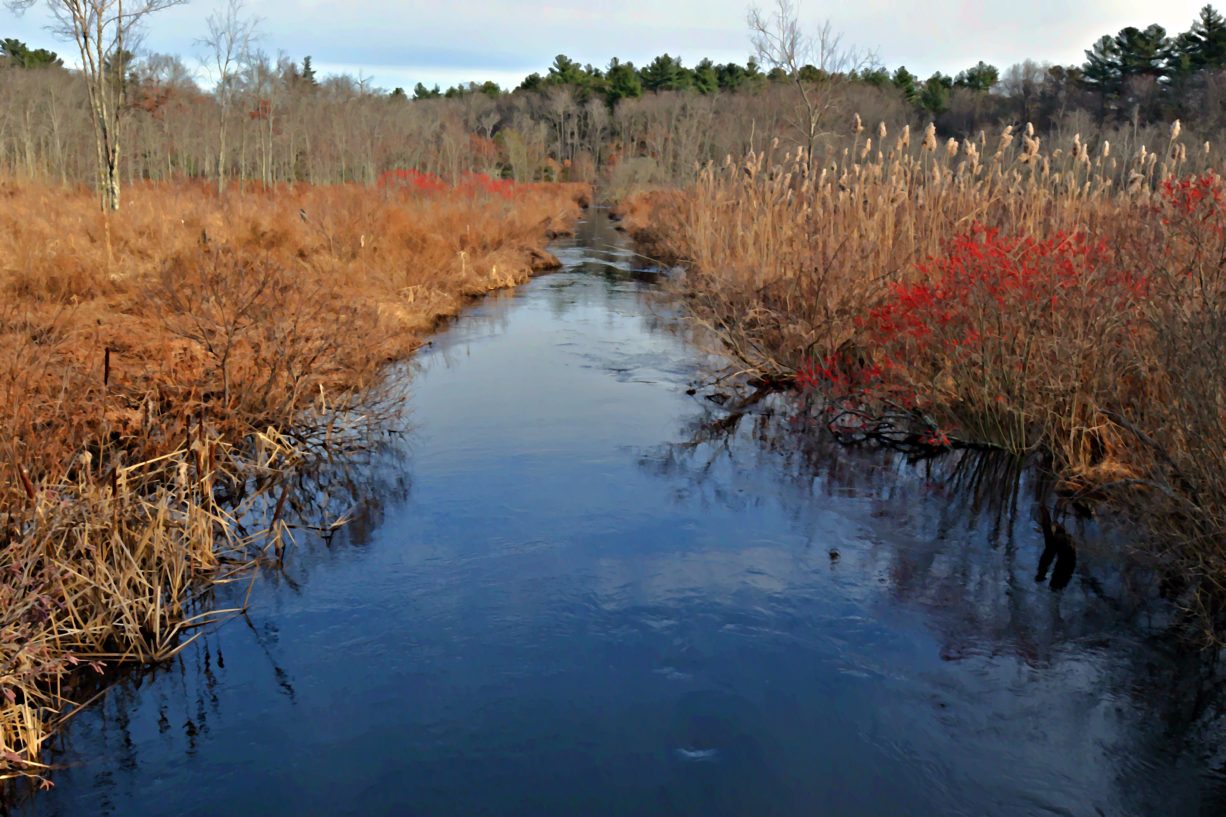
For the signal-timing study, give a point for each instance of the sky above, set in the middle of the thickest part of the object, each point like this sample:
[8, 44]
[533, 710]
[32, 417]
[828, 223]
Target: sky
[402, 43]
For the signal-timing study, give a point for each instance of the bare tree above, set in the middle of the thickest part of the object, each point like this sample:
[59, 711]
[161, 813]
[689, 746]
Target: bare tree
[103, 31]
[816, 63]
[229, 40]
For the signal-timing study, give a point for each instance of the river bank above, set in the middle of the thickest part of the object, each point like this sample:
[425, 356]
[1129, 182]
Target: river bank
[990, 292]
[168, 369]
[605, 595]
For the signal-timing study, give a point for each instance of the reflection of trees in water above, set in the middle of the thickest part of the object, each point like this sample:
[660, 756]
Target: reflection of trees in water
[957, 539]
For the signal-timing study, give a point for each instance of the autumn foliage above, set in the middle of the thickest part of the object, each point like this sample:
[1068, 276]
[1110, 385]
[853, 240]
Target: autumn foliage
[165, 369]
[1065, 304]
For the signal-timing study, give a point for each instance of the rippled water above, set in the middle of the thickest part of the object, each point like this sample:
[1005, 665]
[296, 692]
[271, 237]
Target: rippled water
[581, 590]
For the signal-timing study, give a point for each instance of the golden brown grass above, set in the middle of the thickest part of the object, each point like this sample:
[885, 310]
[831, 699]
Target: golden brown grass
[163, 368]
[1067, 301]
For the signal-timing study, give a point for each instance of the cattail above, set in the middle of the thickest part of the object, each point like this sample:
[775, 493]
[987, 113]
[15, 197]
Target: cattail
[904, 139]
[951, 147]
[930, 138]
[857, 127]
[1175, 130]
[1208, 148]
[882, 133]
[1030, 129]
[1006, 139]
[868, 147]
[1106, 148]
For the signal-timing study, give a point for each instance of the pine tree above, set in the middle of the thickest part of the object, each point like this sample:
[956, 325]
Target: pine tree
[666, 73]
[706, 81]
[19, 55]
[1205, 44]
[982, 77]
[308, 74]
[621, 82]
[1102, 70]
[906, 82]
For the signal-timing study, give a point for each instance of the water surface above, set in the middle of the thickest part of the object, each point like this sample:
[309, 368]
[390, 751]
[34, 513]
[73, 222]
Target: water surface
[581, 590]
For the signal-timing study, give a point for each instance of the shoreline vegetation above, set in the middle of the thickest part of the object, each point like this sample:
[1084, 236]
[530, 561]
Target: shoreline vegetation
[167, 368]
[992, 292]
[284, 236]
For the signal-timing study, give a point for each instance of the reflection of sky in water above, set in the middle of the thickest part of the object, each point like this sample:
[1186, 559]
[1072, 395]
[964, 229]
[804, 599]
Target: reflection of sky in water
[585, 594]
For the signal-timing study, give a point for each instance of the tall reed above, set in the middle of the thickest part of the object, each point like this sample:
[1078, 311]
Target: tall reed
[164, 369]
[987, 291]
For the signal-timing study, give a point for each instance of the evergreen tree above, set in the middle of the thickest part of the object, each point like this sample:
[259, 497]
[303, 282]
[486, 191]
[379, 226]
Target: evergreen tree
[565, 71]
[422, 92]
[17, 54]
[307, 77]
[878, 77]
[1143, 53]
[1205, 44]
[982, 77]
[934, 96]
[811, 73]
[666, 73]
[1103, 70]
[731, 76]
[532, 82]
[706, 81]
[906, 82]
[621, 82]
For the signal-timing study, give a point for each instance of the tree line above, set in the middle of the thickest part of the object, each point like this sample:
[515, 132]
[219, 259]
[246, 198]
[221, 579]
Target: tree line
[267, 120]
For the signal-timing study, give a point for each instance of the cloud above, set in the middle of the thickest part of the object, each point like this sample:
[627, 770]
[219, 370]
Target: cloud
[481, 39]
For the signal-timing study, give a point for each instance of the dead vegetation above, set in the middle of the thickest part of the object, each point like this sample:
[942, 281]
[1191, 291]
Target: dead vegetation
[1066, 301]
[163, 369]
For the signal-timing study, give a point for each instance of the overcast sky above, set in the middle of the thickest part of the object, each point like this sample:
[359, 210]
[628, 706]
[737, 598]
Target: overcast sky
[401, 43]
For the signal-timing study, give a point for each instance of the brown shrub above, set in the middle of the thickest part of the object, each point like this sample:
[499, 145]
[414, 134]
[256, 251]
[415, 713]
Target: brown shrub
[163, 368]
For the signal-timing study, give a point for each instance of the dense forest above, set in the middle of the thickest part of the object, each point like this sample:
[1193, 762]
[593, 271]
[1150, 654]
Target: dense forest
[240, 113]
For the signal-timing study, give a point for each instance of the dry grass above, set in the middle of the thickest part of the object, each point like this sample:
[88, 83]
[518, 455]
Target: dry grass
[164, 368]
[991, 292]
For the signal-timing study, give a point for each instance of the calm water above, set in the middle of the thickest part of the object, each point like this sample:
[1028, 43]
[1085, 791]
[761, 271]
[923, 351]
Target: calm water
[582, 591]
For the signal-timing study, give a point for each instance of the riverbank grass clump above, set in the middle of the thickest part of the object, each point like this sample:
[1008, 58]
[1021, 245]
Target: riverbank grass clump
[164, 369]
[1066, 302]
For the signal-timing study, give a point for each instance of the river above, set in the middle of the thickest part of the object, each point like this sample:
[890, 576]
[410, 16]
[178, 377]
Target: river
[578, 589]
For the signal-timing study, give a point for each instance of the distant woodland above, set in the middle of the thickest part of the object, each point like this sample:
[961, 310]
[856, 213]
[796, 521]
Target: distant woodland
[269, 120]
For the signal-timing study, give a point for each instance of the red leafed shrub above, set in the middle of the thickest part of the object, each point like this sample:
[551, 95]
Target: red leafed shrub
[995, 340]
[412, 181]
[1198, 197]
[479, 183]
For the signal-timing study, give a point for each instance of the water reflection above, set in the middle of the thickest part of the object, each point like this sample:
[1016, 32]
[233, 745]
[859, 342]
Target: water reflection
[598, 594]
[956, 538]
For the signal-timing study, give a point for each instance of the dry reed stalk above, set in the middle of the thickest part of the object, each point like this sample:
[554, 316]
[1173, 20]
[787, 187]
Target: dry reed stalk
[1115, 372]
[240, 340]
